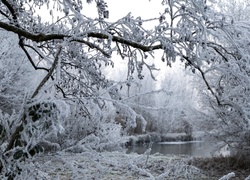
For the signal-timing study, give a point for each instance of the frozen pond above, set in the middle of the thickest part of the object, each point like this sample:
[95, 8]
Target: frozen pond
[191, 148]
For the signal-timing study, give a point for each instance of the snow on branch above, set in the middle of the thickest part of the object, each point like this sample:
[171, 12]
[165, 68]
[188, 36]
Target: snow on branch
[45, 79]
[47, 37]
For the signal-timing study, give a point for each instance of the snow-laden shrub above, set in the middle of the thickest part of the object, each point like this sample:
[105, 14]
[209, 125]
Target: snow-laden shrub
[86, 127]
[110, 137]
[23, 133]
[16, 74]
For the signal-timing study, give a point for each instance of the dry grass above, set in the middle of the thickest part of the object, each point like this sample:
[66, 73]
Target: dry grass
[216, 167]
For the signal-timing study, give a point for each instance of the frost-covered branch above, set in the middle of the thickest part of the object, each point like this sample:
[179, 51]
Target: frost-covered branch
[49, 74]
[30, 58]
[48, 37]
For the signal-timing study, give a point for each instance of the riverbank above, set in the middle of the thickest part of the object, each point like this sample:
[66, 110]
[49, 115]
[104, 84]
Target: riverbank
[217, 167]
[156, 138]
[118, 165]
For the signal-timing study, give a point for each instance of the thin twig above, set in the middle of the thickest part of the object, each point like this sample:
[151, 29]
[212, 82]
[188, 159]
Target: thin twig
[30, 58]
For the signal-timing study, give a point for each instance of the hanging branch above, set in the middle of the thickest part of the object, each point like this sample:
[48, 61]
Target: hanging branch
[204, 79]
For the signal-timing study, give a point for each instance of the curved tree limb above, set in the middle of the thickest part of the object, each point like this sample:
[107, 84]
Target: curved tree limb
[10, 8]
[46, 37]
[92, 45]
[204, 79]
[30, 59]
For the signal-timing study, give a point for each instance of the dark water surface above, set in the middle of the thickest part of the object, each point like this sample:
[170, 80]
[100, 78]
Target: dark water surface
[191, 148]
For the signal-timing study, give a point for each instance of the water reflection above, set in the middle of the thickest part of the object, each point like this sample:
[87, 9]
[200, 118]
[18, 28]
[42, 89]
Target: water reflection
[191, 148]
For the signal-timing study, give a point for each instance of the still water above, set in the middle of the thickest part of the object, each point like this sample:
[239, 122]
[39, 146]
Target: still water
[191, 148]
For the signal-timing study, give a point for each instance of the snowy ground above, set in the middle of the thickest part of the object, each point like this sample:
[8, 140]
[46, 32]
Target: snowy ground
[92, 165]
[109, 165]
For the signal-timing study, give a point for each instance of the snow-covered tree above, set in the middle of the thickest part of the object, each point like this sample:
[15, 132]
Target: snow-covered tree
[15, 74]
[226, 118]
[238, 9]
[71, 49]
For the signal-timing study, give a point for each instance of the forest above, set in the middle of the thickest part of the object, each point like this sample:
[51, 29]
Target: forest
[78, 86]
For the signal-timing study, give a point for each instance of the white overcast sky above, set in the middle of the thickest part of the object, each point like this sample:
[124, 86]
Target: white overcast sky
[120, 8]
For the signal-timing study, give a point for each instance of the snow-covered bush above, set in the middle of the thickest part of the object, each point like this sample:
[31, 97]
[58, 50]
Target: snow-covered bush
[91, 128]
[16, 79]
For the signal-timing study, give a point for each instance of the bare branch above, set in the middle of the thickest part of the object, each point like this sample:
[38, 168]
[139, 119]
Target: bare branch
[92, 45]
[59, 88]
[30, 59]
[46, 78]
[1, 12]
[31, 47]
[10, 8]
[204, 79]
